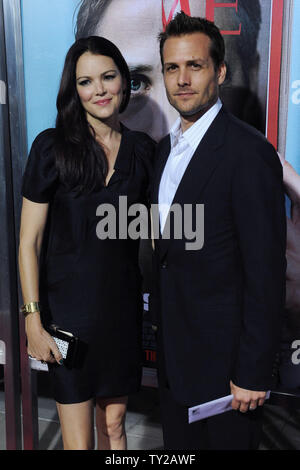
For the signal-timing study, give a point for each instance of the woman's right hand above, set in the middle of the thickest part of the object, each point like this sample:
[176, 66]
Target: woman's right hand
[41, 345]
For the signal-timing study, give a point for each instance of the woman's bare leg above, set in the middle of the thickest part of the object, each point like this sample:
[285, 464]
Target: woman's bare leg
[77, 425]
[110, 422]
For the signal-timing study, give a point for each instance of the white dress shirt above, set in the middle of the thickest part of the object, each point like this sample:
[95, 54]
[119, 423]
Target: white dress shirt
[183, 146]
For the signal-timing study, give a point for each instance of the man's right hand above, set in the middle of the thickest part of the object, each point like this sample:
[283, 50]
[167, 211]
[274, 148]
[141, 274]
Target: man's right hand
[244, 400]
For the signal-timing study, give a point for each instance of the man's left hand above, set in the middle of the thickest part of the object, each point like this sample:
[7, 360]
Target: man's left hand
[244, 400]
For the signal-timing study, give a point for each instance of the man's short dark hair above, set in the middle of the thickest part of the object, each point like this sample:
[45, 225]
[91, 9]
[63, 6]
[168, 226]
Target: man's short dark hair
[183, 24]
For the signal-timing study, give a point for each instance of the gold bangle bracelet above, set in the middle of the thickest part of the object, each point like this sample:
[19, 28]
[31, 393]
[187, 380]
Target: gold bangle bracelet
[31, 307]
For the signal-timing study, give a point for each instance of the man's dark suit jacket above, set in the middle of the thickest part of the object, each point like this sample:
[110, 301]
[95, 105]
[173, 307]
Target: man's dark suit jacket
[219, 309]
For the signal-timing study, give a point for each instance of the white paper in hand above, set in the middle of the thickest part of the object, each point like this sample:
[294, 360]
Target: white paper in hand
[212, 408]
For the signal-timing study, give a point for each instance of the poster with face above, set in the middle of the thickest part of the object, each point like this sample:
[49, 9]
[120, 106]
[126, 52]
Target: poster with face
[134, 27]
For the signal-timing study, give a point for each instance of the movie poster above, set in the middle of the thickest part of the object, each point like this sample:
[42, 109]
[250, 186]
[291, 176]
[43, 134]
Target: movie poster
[252, 30]
[252, 49]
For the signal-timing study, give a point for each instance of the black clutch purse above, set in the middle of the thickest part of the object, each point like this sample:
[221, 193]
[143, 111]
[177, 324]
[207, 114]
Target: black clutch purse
[67, 344]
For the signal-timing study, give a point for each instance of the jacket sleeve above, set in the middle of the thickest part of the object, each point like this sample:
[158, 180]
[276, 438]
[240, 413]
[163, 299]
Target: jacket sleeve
[259, 216]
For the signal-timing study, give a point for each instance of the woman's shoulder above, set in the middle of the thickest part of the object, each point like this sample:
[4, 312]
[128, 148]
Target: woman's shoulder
[45, 139]
[40, 176]
[144, 145]
[142, 137]
[42, 149]
[41, 157]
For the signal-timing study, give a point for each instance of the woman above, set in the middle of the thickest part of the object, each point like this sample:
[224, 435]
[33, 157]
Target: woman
[87, 286]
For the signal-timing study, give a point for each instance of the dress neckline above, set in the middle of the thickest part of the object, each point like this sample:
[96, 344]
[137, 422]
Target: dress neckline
[123, 160]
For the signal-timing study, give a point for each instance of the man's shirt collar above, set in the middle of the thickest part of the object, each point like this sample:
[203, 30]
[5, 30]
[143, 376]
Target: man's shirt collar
[194, 134]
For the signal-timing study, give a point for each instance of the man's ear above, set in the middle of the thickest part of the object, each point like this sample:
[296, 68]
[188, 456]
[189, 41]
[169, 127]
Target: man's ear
[222, 73]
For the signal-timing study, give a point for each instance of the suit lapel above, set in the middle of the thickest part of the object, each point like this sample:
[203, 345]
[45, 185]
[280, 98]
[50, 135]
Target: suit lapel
[203, 162]
[199, 170]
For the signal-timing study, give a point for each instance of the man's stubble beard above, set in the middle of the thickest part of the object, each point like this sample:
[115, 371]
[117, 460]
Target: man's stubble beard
[200, 109]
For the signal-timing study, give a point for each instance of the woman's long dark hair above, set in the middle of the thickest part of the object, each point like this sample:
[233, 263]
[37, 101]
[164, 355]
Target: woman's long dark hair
[80, 160]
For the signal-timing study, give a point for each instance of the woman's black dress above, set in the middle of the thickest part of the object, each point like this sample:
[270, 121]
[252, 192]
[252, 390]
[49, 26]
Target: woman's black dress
[90, 286]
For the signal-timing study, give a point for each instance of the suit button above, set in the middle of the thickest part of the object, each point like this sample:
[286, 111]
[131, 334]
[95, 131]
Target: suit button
[164, 265]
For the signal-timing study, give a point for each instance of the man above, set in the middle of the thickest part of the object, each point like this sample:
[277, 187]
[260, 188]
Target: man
[218, 308]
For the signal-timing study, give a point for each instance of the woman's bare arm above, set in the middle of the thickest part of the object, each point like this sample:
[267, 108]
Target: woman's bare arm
[33, 221]
[291, 181]
[292, 185]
